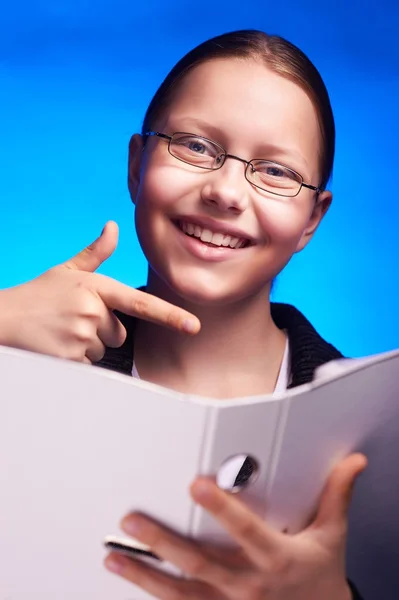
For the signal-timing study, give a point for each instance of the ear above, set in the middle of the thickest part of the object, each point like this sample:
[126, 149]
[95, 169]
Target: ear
[135, 155]
[320, 208]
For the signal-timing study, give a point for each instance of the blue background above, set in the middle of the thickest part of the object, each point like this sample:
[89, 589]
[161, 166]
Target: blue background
[75, 80]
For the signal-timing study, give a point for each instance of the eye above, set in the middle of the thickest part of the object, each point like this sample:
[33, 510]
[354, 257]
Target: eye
[195, 146]
[275, 171]
[272, 176]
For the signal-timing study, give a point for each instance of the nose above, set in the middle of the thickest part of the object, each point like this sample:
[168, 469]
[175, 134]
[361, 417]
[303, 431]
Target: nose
[226, 188]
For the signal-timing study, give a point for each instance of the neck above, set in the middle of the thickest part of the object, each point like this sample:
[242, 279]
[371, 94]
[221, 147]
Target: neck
[238, 351]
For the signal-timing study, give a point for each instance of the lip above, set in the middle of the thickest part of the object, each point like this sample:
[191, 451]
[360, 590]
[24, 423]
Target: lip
[215, 226]
[208, 253]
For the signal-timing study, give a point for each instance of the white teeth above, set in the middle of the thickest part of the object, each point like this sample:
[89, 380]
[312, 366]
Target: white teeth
[206, 235]
[217, 239]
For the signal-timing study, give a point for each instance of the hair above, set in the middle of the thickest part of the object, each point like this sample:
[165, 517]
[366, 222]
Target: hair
[279, 56]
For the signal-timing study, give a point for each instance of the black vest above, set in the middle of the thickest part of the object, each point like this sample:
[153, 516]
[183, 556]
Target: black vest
[307, 349]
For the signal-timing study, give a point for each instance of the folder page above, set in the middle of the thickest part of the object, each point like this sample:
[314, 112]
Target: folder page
[80, 447]
[359, 411]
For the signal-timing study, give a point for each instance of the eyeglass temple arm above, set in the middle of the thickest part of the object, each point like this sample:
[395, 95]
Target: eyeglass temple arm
[312, 187]
[156, 133]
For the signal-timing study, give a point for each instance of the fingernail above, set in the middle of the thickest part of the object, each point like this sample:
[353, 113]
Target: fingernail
[115, 563]
[190, 326]
[131, 526]
[201, 490]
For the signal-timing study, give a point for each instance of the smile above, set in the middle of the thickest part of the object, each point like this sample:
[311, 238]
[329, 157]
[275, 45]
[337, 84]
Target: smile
[212, 238]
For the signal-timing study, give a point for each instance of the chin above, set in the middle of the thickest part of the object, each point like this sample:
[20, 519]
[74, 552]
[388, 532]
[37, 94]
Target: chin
[207, 292]
[201, 298]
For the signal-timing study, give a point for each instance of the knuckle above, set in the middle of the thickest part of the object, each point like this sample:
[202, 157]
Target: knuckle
[247, 529]
[256, 589]
[228, 579]
[82, 333]
[137, 575]
[96, 351]
[70, 265]
[112, 340]
[73, 264]
[257, 593]
[173, 318]
[61, 353]
[88, 303]
[140, 306]
[83, 255]
[76, 355]
[253, 594]
[175, 594]
[197, 565]
[68, 351]
[99, 356]
[91, 313]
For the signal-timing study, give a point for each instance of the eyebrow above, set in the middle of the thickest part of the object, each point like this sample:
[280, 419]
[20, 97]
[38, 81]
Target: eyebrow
[280, 153]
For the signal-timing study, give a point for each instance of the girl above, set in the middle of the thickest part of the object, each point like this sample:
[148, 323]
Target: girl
[228, 179]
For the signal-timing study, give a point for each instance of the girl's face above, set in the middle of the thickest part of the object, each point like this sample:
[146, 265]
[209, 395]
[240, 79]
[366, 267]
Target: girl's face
[253, 113]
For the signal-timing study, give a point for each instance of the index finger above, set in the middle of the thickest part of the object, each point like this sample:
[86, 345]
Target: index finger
[118, 296]
[253, 535]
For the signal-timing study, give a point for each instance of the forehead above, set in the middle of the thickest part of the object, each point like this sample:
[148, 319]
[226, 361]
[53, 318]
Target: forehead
[249, 103]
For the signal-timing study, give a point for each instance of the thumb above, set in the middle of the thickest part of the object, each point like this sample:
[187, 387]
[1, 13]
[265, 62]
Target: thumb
[338, 491]
[91, 257]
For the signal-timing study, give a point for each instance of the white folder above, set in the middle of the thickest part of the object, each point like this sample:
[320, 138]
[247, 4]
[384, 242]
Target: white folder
[82, 446]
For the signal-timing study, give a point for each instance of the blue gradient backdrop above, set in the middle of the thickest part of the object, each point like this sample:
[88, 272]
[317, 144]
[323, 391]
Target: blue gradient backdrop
[75, 80]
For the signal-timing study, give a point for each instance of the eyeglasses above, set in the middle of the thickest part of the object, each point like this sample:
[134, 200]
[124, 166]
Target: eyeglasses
[203, 153]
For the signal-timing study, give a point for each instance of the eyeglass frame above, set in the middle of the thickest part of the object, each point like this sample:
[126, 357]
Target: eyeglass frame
[248, 163]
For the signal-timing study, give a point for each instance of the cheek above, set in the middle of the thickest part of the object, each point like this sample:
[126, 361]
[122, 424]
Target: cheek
[155, 197]
[164, 191]
[282, 222]
[162, 188]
